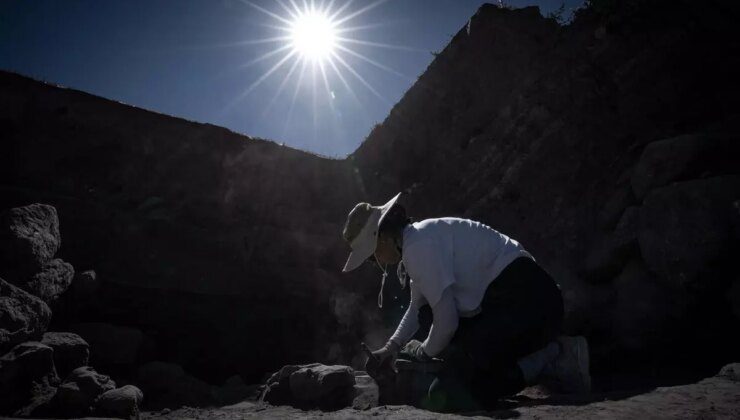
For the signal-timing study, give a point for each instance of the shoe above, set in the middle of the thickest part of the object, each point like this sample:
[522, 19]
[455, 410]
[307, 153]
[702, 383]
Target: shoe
[568, 373]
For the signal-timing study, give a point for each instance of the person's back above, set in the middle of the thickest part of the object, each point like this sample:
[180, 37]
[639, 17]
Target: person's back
[476, 252]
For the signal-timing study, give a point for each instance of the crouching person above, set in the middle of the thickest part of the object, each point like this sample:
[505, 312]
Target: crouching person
[496, 313]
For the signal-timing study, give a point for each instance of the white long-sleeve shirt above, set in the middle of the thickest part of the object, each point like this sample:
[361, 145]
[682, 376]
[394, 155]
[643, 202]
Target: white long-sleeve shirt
[451, 262]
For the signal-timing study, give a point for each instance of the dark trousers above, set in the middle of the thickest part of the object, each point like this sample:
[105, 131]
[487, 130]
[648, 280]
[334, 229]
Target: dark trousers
[522, 311]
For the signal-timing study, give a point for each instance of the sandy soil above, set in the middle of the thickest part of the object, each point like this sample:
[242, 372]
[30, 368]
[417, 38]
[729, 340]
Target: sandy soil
[712, 398]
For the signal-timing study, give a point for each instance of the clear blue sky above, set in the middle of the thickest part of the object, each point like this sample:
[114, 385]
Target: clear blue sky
[187, 58]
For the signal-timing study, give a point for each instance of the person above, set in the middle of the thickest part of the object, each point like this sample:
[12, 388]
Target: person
[496, 314]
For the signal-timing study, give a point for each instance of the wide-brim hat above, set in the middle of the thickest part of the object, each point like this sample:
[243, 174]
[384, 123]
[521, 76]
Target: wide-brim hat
[361, 231]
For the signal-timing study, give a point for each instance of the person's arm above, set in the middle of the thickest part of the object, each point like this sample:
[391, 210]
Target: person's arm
[444, 324]
[410, 322]
[432, 264]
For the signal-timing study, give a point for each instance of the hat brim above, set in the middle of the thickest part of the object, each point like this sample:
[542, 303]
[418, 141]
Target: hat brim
[363, 246]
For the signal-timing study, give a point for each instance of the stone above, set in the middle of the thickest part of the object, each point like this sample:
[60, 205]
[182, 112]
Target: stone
[40, 403]
[317, 382]
[681, 158]
[76, 395]
[53, 280]
[366, 392]
[70, 351]
[123, 403]
[731, 372]
[313, 385]
[234, 390]
[29, 238]
[686, 229]
[26, 373]
[642, 308]
[277, 387]
[167, 385]
[69, 400]
[608, 257]
[110, 345]
[23, 316]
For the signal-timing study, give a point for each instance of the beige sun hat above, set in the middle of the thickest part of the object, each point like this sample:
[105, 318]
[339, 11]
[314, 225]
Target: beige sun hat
[361, 231]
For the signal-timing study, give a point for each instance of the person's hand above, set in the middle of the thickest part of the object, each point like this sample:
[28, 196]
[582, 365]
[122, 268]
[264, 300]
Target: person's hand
[385, 355]
[414, 351]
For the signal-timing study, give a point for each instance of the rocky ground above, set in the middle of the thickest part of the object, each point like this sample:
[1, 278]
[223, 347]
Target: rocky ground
[717, 397]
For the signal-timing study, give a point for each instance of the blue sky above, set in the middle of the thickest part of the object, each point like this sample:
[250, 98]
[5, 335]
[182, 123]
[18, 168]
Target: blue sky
[188, 58]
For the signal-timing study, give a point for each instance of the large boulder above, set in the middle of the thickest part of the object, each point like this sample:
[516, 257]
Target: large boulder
[111, 345]
[643, 308]
[70, 351]
[53, 279]
[681, 158]
[122, 403]
[27, 375]
[607, 257]
[29, 238]
[311, 386]
[688, 229]
[167, 385]
[22, 316]
[76, 395]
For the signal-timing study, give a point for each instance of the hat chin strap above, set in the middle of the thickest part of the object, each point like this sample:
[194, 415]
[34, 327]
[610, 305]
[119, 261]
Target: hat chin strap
[382, 282]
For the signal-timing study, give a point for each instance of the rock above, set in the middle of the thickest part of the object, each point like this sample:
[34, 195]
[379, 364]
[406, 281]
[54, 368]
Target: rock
[22, 316]
[615, 205]
[608, 257]
[367, 393]
[123, 403]
[314, 385]
[70, 351]
[686, 229]
[681, 158]
[110, 345]
[277, 387]
[731, 371]
[317, 382]
[29, 238]
[40, 403]
[53, 279]
[167, 385]
[26, 374]
[71, 401]
[79, 390]
[234, 390]
[642, 309]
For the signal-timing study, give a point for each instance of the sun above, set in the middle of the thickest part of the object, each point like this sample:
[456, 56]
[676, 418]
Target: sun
[314, 46]
[313, 35]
